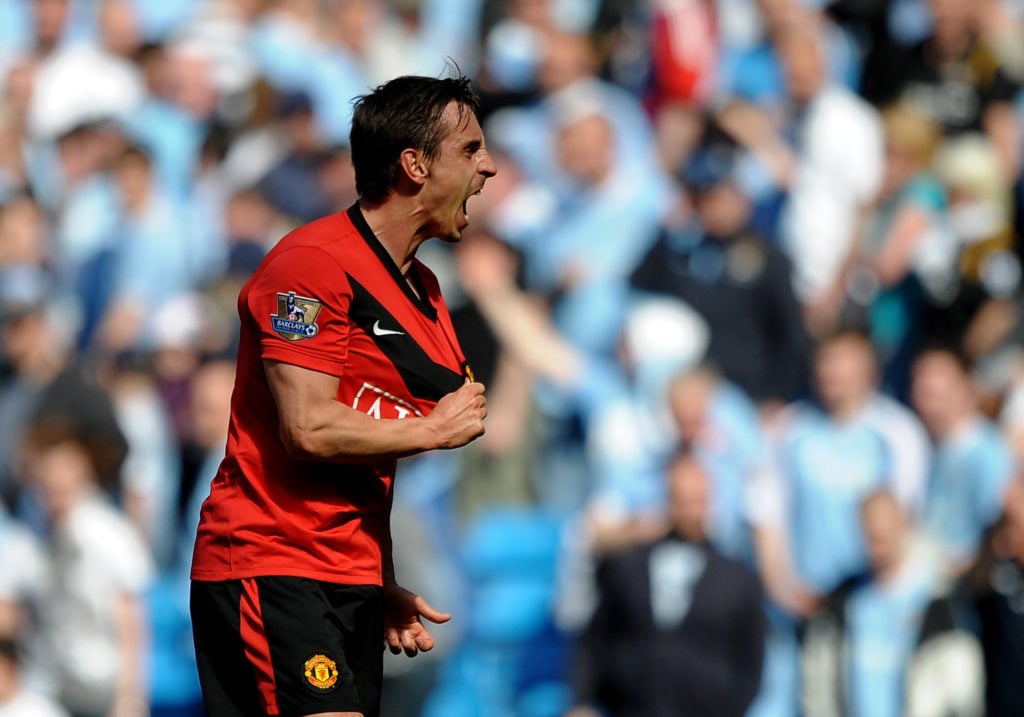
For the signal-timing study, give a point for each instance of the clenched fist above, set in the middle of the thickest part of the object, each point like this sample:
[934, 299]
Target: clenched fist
[458, 418]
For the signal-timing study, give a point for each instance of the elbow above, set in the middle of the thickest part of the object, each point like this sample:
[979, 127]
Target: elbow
[301, 442]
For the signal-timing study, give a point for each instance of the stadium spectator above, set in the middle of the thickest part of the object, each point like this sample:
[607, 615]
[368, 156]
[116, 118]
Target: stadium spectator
[750, 68]
[720, 424]
[849, 384]
[603, 221]
[741, 285]
[151, 473]
[46, 381]
[155, 257]
[622, 404]
[827, 458]
[93, 621]
[81, 83]
[802, 505]
[892, 641]
[972, 465]
[827, 182]
[679, 629]
[172, 135]
[904, 248]
[77, 191]
[602, 202]
[292, 186]
[723, 428]
[982, 265]
[826, 461]
[955, 78]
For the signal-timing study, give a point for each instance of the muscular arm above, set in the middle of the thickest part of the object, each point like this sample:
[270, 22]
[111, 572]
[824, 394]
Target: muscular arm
[314, 425]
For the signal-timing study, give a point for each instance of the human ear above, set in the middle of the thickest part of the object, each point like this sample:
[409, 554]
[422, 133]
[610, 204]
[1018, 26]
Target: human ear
[413, 165]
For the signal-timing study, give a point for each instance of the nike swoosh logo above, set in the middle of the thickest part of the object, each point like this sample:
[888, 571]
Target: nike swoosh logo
[378, 331]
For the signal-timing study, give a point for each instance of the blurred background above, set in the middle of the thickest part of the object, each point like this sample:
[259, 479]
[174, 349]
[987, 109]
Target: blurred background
[746, 294]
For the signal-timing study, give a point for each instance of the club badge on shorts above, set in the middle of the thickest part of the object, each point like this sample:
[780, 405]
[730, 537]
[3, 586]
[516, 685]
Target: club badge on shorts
[295, 319]
[321, 672]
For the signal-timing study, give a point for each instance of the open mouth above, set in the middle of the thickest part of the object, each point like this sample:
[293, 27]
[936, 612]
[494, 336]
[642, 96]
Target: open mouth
[465, 204]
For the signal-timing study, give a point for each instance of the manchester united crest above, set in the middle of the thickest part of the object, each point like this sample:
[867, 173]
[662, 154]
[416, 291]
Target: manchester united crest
[321, 672]
[295, 319]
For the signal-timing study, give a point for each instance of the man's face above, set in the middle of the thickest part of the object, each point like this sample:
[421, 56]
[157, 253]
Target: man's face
[723, 209]
[844, 371]
[938, 385]
[585, 149]
[60, 473]
[884, 530]
[459, 171]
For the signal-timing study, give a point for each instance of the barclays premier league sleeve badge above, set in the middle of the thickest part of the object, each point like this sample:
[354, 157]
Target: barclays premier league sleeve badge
[295, 319]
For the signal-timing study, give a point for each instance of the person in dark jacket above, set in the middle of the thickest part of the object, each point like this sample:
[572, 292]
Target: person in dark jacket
[740, 284]
[679, 628]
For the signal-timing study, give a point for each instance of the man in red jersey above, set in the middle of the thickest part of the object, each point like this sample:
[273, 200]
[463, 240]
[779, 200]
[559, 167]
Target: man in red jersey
[347, 361]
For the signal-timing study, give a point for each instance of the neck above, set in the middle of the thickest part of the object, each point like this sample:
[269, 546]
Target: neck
[888, 569]
[888, 572]
[688, 530]
[847, 408]
[398, 227]
[949, 426]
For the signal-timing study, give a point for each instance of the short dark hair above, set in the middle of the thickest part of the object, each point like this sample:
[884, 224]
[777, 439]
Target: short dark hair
[848, 332]
[950, 350]
[402, 113]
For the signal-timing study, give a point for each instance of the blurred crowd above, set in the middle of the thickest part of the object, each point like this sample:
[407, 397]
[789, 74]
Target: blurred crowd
[746, 293]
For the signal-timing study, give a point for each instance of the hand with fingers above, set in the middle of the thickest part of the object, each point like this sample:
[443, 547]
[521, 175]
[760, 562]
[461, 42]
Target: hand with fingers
[459, 416]
[403, 624]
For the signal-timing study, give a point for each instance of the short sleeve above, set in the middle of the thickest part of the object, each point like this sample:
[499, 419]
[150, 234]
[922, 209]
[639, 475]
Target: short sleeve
[299, 303]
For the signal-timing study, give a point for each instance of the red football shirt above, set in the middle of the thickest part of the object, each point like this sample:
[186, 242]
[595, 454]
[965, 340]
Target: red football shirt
[328, 297]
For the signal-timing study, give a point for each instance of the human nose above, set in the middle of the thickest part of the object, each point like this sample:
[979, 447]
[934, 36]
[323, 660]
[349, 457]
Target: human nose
[487, 166]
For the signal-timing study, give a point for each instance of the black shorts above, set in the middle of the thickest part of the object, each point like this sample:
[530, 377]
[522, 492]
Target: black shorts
[288, 646]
